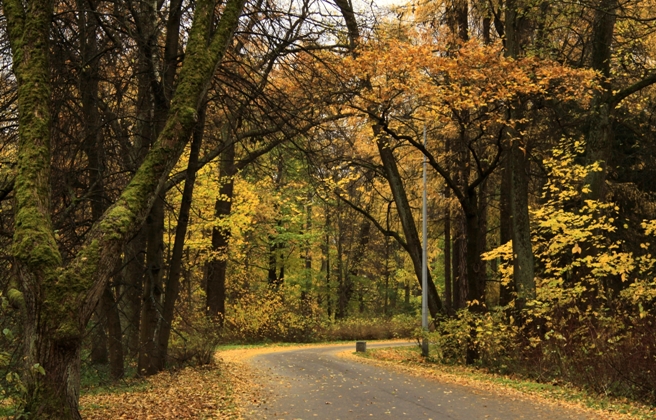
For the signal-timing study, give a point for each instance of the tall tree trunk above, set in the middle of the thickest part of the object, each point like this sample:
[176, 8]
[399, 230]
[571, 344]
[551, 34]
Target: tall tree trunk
[448, 294]
[357, 257]
[407, 219]
[343, 292]
[133, 275]
[217, 268]
[523, 264]
[387, 276]
[99, 354]
[308, 246]
[325, 262]
[172, 289]
[151, 304]
[482, 235]
[506, 291]
[114, 342]
[135, 250]
[474, 263]
[94, 149]
[150, 361]
[600, 133]
[460, 285]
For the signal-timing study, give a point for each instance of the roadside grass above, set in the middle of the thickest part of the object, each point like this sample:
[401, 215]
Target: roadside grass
[410, 359]
[271, 344]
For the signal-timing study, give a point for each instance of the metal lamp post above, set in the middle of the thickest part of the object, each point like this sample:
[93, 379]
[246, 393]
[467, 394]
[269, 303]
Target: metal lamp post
[424, 263]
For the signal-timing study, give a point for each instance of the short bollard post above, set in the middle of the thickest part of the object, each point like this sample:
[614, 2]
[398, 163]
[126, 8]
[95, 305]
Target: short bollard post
[424, 347]
[361, 346]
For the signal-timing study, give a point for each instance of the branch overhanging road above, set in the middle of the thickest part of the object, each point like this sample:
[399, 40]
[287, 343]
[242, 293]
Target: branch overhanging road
[316, 383]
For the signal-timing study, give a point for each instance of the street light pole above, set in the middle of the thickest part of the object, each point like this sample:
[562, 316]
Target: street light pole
[424, 263]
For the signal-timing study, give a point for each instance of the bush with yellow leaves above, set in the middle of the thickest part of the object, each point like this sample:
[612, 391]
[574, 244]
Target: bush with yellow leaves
[592, 322]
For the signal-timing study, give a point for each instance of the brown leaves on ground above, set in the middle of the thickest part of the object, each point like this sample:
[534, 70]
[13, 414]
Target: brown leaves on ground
[191, 393]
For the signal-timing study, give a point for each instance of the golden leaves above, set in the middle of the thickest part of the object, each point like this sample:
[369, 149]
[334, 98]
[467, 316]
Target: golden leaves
[427, 77]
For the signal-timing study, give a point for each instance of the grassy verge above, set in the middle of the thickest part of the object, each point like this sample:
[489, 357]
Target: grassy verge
[410, 359]
[226, 347]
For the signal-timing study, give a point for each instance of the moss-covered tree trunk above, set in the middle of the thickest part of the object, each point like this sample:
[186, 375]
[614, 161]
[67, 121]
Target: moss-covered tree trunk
[59, 299]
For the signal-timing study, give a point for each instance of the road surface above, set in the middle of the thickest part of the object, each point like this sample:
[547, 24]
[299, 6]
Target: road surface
[315, 383]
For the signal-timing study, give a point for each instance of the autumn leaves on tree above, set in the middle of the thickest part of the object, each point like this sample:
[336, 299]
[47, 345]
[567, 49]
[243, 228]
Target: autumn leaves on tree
[179, 173]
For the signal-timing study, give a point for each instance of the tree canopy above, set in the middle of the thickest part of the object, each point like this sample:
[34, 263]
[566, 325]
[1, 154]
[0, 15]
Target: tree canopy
[182, 173]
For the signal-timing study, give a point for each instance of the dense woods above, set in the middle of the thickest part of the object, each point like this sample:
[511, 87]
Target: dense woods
[179, 174]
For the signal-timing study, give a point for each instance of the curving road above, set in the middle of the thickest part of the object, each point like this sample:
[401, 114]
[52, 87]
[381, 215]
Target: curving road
[316, 384]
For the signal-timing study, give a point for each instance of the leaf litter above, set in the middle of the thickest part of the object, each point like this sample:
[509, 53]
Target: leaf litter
[191, 393]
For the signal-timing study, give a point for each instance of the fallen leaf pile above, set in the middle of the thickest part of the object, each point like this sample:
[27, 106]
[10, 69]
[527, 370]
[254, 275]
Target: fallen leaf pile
[190, 393]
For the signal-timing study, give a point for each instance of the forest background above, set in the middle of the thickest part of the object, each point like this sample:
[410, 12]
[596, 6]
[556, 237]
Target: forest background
[179, 174]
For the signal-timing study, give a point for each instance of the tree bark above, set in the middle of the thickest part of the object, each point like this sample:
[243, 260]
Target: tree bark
[599, 136]
[114, 342]
[407, 220]
[217, 268]
[172, 289]
[448, 295]
[343, 292]
[506, 291]
[523, 264]
[151, 304]
[133, 275]
[59, 299]
[325, 262]
[364, 233]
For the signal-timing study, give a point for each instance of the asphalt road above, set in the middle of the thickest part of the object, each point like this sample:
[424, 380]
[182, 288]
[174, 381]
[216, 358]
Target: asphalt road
[316, 384]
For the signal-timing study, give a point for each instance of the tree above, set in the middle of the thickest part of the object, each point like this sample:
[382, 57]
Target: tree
[60, 299]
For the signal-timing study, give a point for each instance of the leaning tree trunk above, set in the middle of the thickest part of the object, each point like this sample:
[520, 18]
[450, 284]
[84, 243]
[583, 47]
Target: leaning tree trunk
[407, 220]
[60, 298]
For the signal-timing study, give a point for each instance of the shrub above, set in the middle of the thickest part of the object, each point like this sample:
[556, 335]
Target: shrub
[399, 326]
[194, 342]
[271, 316]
